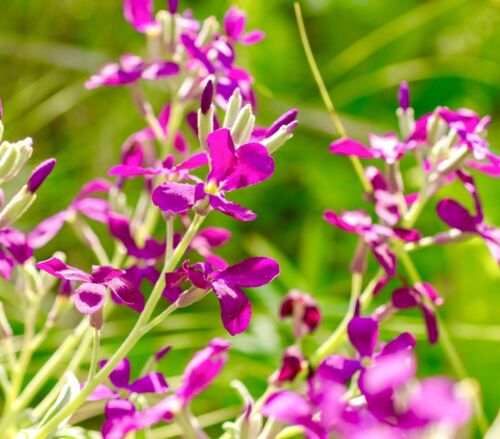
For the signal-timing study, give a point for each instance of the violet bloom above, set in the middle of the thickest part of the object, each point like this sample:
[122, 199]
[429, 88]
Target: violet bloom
[458, 217]
[236, 309]
[130, 69]
[118, 402]
[386, 146]
[139, 13]
[230, 169]
[90, 296]
[304, 311]
[14, 249]
[203, 368]
[376, 236]
[85, 203]
[234, 27]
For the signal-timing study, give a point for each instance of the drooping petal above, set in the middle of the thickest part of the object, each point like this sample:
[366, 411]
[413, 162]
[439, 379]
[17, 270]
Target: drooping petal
[120, 375]
[363, 333]
[351, 148]
[236, 309]
[403, 342]
[101, 274]
[203, 368]
[96, 209]
[254, 165]
[153, 382]
[252, 272]
[124, 292]
[456, 216]
[173, 283]
[59, 269]
[384, 255]
[139, 13]
[431, 323]
[253, 37]
[231, 209]
[222, 155]
[174, 198]
[404, 298]
[47, 229]
[17, 244]
[90, 298]
[6, 265]
[337, 368]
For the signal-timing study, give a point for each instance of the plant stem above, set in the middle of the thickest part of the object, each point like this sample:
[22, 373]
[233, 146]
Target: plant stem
[94, 358]
[136, 333]
[337, 123]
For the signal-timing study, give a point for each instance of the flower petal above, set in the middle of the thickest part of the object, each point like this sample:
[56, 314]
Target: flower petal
[363, 333]
[59, 269]
[174, 197]
[139, 13]
[153, 382]
[222, 155]
[456, 216]
[252, 272]
[231, 209]
[90, 298]
[236, 309]
[287, 407]
[124, 292]
[47, 229]
[351, 148]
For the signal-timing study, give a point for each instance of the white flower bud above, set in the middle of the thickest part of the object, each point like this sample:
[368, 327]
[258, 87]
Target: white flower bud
[233, 109]
[16, 207]
[13, 156]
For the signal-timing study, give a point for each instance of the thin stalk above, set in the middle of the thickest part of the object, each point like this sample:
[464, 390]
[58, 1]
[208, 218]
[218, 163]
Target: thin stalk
[94, 358]
[174, 121]
[190, 428]
[337, 123]
[88, 236]
[133, 337]
[159, 318]
[169, 245]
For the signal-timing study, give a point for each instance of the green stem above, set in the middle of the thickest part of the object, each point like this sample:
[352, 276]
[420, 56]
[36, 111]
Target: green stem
[337, 123]
[136, 333]
[94, 358]
[174, 121]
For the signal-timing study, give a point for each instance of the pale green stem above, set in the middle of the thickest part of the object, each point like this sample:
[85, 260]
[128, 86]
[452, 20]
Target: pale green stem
[337, 123]
[88, 236]
[94, 358]
[159, 318]
[174, 121]
[133, 337]
[271, 430]
[169, 245]
[189, 426]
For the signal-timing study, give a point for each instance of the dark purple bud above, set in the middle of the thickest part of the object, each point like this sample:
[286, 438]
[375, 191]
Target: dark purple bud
[206, 97]
[292, 364]
[283, 120]
[290, 128]
[404, 95]
[304, 311]
[162, 352]
[39, 175]
[173, 5]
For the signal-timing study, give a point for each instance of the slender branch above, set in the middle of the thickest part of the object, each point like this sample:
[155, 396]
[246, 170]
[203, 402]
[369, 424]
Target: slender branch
[94, 358]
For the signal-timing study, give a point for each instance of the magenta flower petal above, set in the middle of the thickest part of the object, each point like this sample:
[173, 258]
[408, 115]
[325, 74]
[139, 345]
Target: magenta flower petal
[253, 37]
[234, 23]
[363, 333]
[283, 120]
[90, 298]
[194, 162]
[173, 282]
[102, 392]
[215, 236]
[291, 365]
[288, 407]
[337, 368]
[252, 272]
[153, 382]
[236, 309]
[59, 269]
[159, 70]
[404, 298]
[456, 216]
[222, 155]
[403, 342]
[231, 209]
[124, 292]
[384, 255]
[120, 376]
[139, 13]
[203, 368]
[174, 197]
[254, 165]
[118, 407]
[96, 209]
[352, 148]
[431, 323]
[6, 265]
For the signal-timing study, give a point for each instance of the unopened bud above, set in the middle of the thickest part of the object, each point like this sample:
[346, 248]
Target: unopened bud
[280, 137]
[13, 156]
[404, 95]
[205, 126]
[241, 123]
[233, 108]
[292, 363]
[190, 296]
[206, 97]
[40, 174]
[284, 120]
[173, 6]
[16, 207]
[208, 29]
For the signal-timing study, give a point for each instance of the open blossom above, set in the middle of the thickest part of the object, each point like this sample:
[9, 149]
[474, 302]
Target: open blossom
[230, 169]
[14, 249]
[90, 296]
[203, 368]
[130, 69]
[236, 309]
[234, 27]
[458, 217]
[118, 401]
[376, 236]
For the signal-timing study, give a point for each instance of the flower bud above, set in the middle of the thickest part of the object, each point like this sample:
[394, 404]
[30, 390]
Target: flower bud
[13, 156]
[206, 97]
[241, 125]
[40, 174]
[173, 6]
[284, 120]
[233, 108]
[16, 207]
[280, 137]
[208, 29]
[304, 311]
[190, 296]
[292, 363]
[404, 95]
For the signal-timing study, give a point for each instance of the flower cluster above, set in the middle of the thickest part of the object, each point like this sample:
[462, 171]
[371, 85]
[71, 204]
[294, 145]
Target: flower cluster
[191, 155]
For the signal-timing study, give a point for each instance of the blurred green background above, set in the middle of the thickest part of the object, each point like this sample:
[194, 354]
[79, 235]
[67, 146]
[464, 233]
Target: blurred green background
[447, 50]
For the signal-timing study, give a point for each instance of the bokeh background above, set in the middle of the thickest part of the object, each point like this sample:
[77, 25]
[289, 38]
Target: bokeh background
[446, 49]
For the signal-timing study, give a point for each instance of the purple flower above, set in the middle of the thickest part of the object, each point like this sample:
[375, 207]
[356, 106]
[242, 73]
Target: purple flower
[14, 249]
[118, 402]
[203, 368]
[230, 169]
[404, 95]
[208, 239]
[130, 69]
[387, 147]
[374, 235]
[458, 217]
[234, 26]
[94, 208]
[91, 294]
[304, 311]
[40, 174]
[292, 363]
[236, 309]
